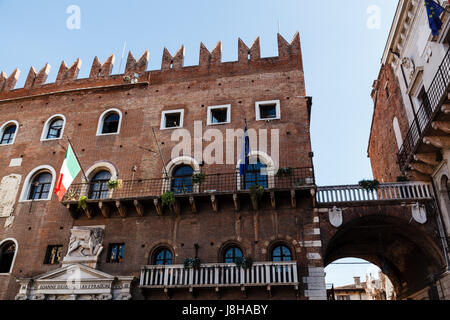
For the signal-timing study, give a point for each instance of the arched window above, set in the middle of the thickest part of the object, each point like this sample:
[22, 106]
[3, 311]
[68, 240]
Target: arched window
[7, 253]
[40, 186]
[99, 187]
[231, 253]
[281, 253]
[182, 179]
[163, 256]
[109, 122]
[55, 129]
[8, 134]
[255, 176]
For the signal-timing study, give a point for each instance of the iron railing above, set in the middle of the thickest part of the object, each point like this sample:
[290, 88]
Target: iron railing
[435, 96]
[219, 275]
[386, 191]
[212, 183]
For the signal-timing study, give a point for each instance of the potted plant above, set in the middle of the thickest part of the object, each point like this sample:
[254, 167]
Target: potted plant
[82, 202]
[369, 185]
[284, 172]
[168, 199]
[256, 193]
[114, 184]
[198, 178]
[72, 195]
[192, 263]
[244, 262]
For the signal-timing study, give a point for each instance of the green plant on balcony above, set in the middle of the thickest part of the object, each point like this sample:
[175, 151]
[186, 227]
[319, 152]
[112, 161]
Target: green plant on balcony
[298, 183]
[114, 184]
[244, 262]
[198, 178]
[284, 172]
[256, 193]
[82, 203]
[168, 199]
[369, 185]
[192, 263]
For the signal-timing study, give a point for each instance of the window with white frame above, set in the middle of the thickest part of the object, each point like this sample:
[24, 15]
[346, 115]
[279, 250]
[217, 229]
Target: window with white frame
[219, 114]
[8, 132]
[38, 184]
[267, 110]
[172, 119]
[54, 128]
[109, 122]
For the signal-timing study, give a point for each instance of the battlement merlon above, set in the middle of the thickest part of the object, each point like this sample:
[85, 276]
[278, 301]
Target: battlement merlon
[172, 69]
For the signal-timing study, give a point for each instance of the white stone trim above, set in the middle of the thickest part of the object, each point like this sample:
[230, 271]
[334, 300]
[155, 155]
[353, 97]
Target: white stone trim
[209, 115]
[96, 167]
[316, 243]
[101, 119]
[277, 109]
[313, 256]
[6, 124]
[15, 254]
[47, 125]
[163, 118]
[29, 178]
[175, 163]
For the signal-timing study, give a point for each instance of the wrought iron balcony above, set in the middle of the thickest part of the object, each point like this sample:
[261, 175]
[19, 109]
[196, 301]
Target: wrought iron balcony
[213, 183]
[217, 275]
[436, 94]
[386, 191]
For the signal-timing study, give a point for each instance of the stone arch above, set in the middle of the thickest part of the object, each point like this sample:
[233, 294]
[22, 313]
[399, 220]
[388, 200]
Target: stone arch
[264, 158]
[93, 170]
[245, 248]
[404, 252]
[173, 164]
[156, 246]
[288, 241]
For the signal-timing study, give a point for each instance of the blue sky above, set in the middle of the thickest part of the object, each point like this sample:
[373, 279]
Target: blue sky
[341, 54]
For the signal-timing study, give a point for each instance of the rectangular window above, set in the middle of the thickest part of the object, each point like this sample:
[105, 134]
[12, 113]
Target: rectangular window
[53, 254]
[268, 110]
[219, 114]
[172, 119]
[115, 252]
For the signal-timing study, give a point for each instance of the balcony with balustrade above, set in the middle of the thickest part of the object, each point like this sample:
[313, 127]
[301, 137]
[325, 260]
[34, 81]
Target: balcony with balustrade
[401, 192]
[220, 275]
[430, 129]
[139, 196]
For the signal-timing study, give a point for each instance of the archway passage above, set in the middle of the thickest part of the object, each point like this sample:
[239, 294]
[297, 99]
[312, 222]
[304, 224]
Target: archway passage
[404, 252]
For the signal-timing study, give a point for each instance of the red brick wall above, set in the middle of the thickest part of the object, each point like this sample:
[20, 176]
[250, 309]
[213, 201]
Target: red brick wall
[82, 101]
[383, 148]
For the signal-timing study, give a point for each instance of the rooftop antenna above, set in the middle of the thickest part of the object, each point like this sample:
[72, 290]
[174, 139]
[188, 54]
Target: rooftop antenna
[123, 54]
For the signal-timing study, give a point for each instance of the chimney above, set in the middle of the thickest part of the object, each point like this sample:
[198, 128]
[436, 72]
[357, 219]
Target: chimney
[357, 282]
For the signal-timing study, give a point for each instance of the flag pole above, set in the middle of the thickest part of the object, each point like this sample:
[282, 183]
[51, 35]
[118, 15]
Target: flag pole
[81, 167]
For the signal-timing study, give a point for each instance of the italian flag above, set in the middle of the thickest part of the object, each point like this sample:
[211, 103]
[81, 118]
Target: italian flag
[70, 169]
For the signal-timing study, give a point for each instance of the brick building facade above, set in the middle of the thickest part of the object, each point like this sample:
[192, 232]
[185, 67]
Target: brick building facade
[109, 120]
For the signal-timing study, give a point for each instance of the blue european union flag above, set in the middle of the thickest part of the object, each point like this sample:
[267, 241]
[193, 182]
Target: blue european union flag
[434, 11]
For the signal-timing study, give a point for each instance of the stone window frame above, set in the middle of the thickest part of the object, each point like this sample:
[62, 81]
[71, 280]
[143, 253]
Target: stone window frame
[280, 242]
[15, 255]
[163, 119]
[209, 114]
[228, 244]
[101, 122]
[156, 249]
[27, 183]
[6, 125]
[47, 127]
[175, 163]
[277, 110]
[93, 170]
[264, 158]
